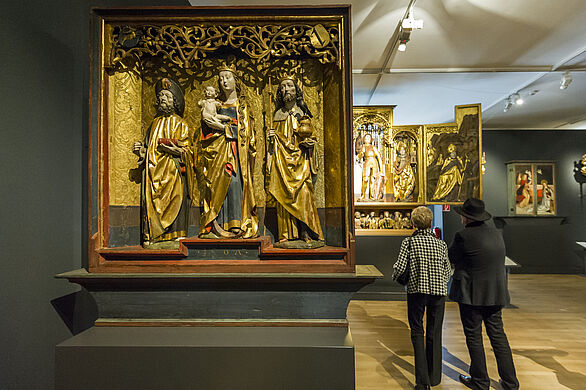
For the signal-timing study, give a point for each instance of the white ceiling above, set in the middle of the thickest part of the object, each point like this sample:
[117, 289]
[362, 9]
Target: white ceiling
[469, 51]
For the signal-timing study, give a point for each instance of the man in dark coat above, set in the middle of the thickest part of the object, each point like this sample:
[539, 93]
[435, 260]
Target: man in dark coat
[480, 288]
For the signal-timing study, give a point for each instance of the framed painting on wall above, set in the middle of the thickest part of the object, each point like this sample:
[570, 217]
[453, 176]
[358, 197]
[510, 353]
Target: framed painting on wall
[531, 188]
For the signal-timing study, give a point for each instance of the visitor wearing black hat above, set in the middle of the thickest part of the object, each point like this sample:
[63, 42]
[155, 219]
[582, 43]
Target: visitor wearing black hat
[479, 286]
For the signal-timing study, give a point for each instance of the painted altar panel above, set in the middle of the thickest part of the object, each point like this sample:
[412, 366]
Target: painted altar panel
[453, 158]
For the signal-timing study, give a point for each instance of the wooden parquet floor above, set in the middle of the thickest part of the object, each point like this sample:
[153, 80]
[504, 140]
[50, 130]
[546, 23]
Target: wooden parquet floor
[546, 331]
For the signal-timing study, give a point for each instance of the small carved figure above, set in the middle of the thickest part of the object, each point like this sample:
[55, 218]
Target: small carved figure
[364, 221]
[381, 221]
[290, 171]
[388, 220]
[398, 220]
[405, 222]
[210, 106]
[371, 169]
[367, 221]
[403, 178]
[357, 222]
[409, 224]
[167, 159]
[372, 221]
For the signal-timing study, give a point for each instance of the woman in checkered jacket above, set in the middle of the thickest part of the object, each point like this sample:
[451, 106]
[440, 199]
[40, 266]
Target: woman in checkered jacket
[425, 258]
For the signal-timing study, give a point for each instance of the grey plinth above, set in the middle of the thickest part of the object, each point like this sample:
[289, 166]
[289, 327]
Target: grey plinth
[206, 358]
[222, 299]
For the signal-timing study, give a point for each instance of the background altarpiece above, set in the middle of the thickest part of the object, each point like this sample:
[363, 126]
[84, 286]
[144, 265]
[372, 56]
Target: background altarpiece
[397, 168]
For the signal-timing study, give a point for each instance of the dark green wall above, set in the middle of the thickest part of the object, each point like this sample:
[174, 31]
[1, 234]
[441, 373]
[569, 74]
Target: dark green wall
[43, 100]
[540, 245]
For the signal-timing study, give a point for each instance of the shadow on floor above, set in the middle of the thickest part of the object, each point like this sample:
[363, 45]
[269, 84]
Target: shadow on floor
[452, 367]
[546, 358]
[399, 346]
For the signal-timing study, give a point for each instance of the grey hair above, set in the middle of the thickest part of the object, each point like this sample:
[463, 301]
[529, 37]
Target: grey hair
[422, 217]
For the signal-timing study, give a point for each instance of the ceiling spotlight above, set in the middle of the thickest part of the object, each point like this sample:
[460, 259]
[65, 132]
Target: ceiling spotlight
[407, 25]
[518, 99]
[403, 39]
[566, 80]
[508, 104]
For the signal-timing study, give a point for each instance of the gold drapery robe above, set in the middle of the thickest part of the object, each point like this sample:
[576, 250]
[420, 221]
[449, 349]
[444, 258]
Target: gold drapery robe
[450, 175]
[163, 187]
[290, 181]
[403, 182]
[217, 151]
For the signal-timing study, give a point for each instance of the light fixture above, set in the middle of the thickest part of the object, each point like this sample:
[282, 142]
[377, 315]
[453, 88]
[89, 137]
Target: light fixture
[508, 104]
[518, 99]
[403, 39]
[407, 25]
[566, 80]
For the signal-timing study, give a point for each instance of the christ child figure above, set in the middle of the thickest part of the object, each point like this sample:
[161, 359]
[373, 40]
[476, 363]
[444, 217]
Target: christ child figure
[209, 105]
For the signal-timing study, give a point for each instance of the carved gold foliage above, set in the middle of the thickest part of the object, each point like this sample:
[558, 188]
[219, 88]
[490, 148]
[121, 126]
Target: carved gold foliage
[124, 124]
[440, 129]
[185, 45]
[375, 119]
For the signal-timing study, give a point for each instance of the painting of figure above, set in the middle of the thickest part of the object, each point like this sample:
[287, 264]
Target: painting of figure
[545, 189]
[524, 190]
[453, 158]
[532, 189]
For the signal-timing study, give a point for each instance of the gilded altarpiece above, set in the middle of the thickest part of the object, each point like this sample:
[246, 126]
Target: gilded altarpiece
[453, 158]
[388, 172]
[134, 50]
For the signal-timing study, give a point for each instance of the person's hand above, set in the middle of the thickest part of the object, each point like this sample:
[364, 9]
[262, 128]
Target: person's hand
[308, 143]
[271, 135]
[139, 149]
[172, 150]
[223, 118]
[214, 123]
